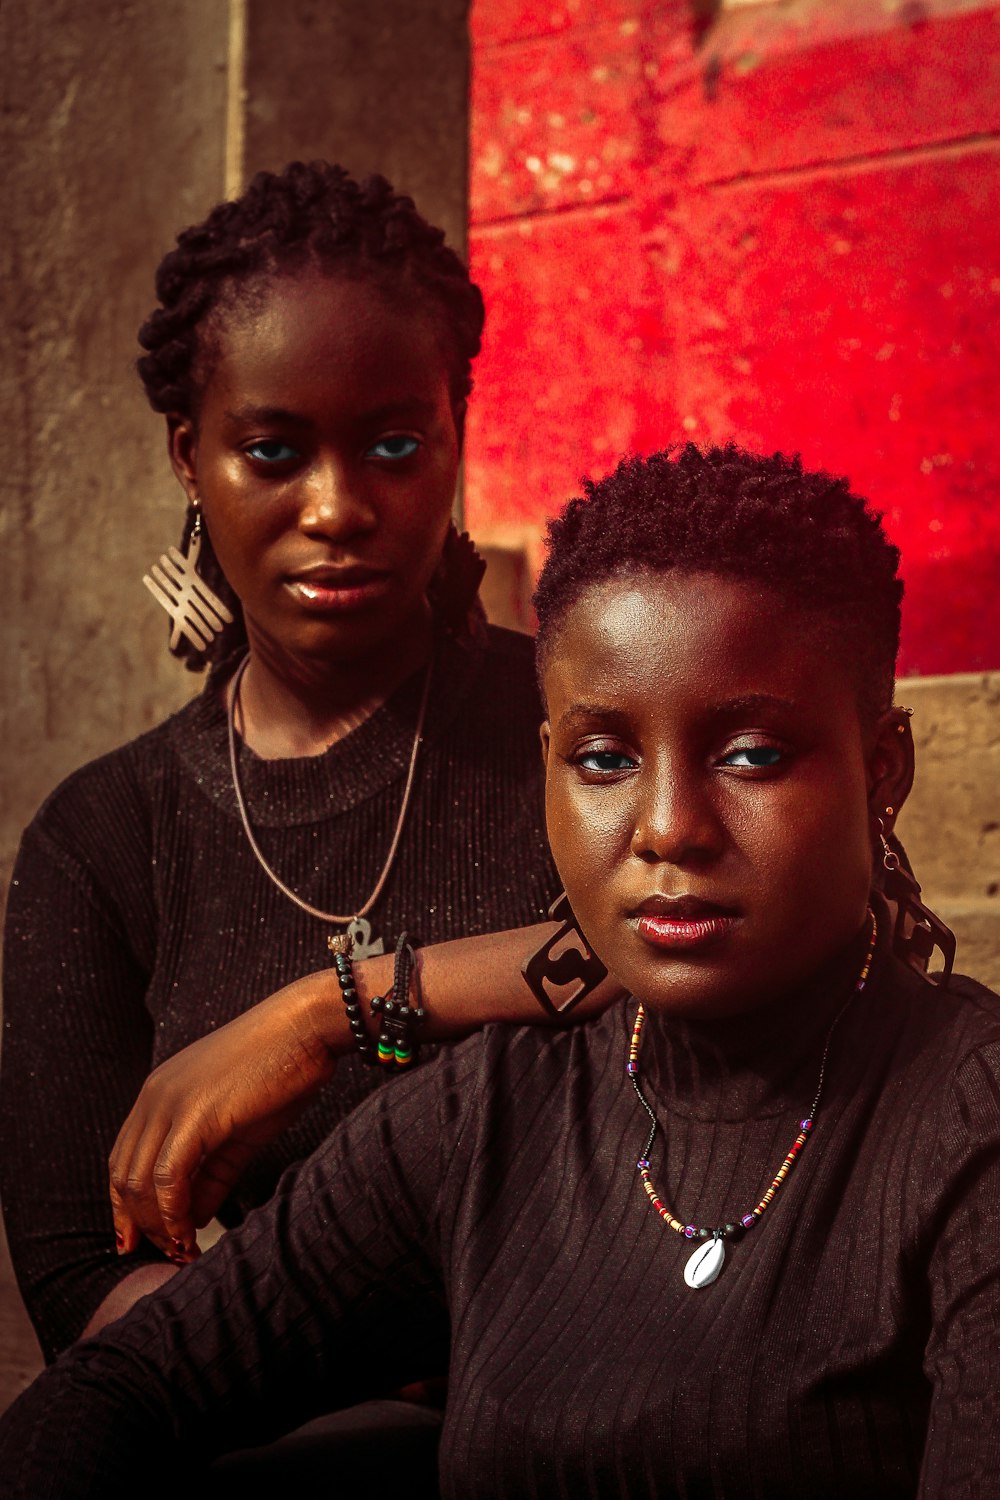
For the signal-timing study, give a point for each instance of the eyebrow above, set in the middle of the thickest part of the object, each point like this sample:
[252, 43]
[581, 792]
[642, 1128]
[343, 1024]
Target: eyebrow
[590, 712]
[265, 414]
[752, 703]
[417, 406]
[728, 708]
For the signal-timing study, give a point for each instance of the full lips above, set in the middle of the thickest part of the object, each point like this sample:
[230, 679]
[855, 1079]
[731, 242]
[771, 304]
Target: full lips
[663, 931]
[325, 596]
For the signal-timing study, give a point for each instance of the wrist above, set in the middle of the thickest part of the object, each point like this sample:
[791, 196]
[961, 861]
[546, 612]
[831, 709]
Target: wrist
[322, 1009]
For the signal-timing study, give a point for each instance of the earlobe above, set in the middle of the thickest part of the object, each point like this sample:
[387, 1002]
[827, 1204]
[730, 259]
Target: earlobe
[182, 449]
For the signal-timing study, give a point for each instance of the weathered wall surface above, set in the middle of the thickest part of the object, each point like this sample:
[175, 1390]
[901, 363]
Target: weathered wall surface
[951, 824]
[776, 224]
[373, 86]
[125, 120]
[114, 138]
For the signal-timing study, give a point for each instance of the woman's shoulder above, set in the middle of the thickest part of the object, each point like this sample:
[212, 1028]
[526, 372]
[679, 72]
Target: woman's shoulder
[948, 1042]
[114, 790]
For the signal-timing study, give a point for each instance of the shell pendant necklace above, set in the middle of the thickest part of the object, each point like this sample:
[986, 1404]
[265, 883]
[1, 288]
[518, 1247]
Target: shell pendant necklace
[703, 1267]
[356, 939]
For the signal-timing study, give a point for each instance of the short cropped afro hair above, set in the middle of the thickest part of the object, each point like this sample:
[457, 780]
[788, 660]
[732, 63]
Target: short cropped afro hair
[763, 520]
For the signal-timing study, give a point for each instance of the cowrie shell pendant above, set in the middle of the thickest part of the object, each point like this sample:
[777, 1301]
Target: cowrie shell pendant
[705, 1264]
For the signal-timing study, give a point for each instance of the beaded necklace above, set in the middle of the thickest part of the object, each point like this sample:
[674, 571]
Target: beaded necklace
[704, 1265]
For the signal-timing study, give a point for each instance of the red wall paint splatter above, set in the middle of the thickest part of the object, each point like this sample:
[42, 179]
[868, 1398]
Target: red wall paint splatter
[779, 227]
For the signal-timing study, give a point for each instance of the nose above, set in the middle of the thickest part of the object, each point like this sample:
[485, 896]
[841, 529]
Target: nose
[333, 503]
[676, 822]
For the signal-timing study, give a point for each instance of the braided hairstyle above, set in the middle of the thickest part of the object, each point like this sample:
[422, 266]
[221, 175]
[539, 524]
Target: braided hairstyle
[763, 520]
[308, 216]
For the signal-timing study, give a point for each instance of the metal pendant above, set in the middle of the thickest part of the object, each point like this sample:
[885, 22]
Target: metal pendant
[357, 940]
[704, 1265]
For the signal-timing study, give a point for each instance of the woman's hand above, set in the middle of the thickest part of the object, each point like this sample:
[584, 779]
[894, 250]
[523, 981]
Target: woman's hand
[203, 1114]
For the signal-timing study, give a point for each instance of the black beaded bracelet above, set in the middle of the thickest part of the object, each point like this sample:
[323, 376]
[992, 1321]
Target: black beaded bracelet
[398, 1044]
[345, 977]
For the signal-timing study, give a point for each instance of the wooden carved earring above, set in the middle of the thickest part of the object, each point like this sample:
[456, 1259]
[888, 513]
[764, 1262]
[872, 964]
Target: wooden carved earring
[197, 612]
[565, 969]
[917, 930]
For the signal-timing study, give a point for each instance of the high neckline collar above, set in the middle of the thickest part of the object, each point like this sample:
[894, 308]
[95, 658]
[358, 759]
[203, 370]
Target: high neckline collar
[307, 789]
[762, 1063]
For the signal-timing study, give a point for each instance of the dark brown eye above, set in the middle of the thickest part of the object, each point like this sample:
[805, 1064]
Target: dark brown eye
[605, 760]
[760, 757]
[271, 451]
[394, 448]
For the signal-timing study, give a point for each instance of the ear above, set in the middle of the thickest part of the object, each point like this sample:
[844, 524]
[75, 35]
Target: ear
[458, 411]
[890, 767]
[182, 448]
[544, 735]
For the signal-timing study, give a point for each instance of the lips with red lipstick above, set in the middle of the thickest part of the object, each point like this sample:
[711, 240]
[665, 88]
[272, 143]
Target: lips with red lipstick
[682, 922]
[326, 588]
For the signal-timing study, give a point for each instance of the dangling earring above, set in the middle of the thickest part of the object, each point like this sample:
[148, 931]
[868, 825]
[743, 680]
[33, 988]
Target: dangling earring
[198, 614]
[917, 930]
[454, 587]
[566, 958]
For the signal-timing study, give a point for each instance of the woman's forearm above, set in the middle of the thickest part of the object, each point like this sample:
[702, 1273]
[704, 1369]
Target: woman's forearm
[463, 984]
[203, 1115]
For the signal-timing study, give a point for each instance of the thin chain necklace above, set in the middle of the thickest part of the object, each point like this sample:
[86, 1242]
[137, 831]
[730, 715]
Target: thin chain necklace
[357, 938]
[705, 1264]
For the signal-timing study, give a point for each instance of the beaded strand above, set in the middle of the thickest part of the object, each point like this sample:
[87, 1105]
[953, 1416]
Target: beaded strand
[735, 1230]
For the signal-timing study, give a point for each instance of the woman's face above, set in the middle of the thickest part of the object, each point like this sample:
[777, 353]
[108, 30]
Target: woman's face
[707, 789]
[324, 456]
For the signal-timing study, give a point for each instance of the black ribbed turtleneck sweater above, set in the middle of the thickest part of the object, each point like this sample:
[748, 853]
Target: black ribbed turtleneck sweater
[488, 1207]
[139, 920]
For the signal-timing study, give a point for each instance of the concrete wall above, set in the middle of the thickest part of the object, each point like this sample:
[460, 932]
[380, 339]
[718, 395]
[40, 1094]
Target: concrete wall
[951, 824]
[123, 123]
[114, 138]
[775, 223]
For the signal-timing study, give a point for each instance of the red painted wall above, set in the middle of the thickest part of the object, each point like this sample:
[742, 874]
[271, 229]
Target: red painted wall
[780, 225]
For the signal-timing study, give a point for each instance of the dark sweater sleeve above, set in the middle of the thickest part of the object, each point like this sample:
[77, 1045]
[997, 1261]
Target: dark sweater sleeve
[330, 1293]
[76, 1049]
[962, 1454]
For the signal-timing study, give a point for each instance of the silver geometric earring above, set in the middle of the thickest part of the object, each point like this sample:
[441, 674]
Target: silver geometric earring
[197, 612]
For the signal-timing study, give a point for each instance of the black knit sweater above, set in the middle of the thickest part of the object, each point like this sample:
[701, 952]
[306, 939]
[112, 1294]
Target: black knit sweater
[139, 920]
[488, 1208]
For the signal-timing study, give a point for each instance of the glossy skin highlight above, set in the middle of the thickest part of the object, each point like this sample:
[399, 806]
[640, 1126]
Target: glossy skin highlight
[325, 455]
[710, 788]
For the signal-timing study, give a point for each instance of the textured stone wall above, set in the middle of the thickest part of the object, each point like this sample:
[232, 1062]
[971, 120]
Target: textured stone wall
[951, 824]
[113, 139]
[775, 223]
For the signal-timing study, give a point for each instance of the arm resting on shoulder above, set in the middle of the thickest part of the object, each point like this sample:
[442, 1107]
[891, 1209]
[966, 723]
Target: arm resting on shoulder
[203, 1114]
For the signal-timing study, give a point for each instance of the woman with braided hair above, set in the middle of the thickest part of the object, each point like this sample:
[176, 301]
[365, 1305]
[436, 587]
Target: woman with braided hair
[363, 757]
[737, 1235]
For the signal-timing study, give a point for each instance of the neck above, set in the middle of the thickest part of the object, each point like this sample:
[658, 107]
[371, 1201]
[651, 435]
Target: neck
[292, 706]
[760, 1063]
